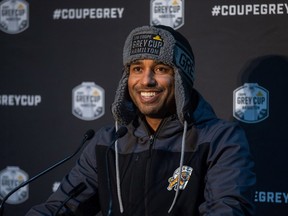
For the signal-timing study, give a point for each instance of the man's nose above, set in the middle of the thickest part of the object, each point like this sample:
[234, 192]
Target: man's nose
[148, 78]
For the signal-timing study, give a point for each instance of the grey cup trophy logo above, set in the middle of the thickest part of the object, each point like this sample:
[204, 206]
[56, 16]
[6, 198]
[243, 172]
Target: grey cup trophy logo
[167, 12]
[14, 16]
[250, 103]
[88, 101]
[10, 178]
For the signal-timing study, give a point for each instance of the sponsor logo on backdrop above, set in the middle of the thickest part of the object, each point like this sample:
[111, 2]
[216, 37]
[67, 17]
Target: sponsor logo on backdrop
[10, 178]
[87, 13]
[14, 16]
[88, 101]
[20, 100]
[167, 12]
[250, 9]
[271, 197]
[250, 103]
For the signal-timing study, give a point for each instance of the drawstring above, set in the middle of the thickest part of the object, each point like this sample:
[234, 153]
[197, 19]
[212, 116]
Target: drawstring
[180, 167]
[117, 173]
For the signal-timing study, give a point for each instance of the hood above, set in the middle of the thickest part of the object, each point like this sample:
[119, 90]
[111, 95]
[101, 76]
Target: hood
[203, 111]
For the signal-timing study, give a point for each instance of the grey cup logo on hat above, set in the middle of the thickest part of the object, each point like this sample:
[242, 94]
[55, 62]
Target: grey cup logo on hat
[146, 43]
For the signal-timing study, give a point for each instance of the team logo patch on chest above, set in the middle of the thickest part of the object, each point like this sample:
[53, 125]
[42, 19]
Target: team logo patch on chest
[184, 178]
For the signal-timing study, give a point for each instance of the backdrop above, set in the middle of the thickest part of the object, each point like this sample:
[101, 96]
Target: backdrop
[60, 62]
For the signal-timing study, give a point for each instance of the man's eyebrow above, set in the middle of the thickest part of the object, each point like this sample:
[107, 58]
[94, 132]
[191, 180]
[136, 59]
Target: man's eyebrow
[139, 62]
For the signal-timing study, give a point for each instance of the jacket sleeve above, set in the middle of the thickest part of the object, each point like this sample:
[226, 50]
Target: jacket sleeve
[84, 171]
[230, 177]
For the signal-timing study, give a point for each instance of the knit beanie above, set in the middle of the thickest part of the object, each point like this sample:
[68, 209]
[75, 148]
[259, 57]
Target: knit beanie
[162, 44]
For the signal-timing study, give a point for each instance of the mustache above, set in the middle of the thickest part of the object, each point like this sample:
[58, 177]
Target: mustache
[146, 89]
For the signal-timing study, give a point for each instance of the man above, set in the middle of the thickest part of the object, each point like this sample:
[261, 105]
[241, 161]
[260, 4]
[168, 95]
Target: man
[177, 157]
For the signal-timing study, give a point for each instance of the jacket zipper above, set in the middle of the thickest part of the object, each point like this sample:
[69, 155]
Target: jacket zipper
[147, 174]
[151, 141]
[148, 164]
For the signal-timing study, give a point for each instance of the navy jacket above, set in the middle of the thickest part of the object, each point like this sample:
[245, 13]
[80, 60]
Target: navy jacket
[217, 176]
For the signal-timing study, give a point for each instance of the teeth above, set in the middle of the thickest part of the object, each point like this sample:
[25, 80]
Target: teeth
[148, 94]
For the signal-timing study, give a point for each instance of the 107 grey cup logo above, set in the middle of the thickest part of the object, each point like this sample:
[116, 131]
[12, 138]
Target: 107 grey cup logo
[167, 12]
[14, 16]
[10, 178]
[88, 101]
[250, 103]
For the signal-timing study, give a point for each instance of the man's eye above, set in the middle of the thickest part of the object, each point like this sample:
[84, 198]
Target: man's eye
[161, 69]
[135, 69]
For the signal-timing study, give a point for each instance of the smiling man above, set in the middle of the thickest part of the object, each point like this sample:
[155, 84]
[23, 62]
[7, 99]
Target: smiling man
[177, 157]
[151, 88]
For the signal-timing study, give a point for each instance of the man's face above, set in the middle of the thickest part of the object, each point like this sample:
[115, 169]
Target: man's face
[151, 88]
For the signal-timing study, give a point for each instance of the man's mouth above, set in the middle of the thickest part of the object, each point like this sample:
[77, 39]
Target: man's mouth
[148, 94]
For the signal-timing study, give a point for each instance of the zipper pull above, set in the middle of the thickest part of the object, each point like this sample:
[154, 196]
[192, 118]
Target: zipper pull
[151, 139]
